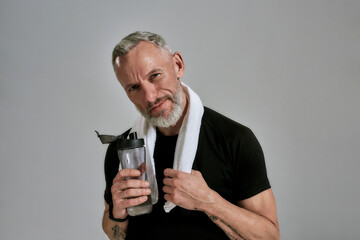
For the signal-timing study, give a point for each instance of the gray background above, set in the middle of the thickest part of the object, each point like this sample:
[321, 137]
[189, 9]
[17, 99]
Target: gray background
[287, 69]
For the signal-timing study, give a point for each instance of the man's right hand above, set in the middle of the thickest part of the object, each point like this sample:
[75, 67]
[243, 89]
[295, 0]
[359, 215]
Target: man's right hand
[127, 191]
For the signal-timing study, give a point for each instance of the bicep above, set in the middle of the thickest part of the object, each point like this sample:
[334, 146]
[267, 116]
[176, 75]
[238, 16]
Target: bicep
[262, 204]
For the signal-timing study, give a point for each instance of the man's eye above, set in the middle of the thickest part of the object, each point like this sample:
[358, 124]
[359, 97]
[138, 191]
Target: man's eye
[155, 75]
[132, 88]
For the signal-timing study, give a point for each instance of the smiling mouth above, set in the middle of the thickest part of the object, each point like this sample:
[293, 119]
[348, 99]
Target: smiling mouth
[158, 105]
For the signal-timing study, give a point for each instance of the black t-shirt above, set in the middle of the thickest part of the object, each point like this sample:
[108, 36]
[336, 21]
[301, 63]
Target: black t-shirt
[164, 158]
[231, 162]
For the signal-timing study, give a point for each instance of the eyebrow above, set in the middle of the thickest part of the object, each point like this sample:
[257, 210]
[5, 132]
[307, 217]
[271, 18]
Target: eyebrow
[154, 71]
[147, 75]
[126, 87]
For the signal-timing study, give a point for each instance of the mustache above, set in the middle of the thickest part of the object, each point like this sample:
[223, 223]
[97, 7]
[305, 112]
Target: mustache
[158, 100]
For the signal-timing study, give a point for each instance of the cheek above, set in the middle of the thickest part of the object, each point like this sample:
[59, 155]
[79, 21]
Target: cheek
[136, 101]
[169, 85]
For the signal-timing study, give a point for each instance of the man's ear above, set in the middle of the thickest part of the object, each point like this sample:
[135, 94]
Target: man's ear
[178, 65]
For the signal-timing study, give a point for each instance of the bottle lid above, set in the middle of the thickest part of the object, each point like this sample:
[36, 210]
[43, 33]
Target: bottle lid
[133, 142]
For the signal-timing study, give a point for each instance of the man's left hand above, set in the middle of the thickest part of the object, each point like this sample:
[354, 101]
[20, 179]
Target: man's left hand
[187, 190]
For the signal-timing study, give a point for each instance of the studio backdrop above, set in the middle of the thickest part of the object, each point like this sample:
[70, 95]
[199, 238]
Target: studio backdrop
[289, 70]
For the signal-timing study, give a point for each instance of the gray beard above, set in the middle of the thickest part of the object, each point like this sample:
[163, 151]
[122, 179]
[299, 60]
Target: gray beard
[173, 118]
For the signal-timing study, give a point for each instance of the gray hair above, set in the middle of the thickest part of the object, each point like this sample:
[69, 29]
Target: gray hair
[130, 41]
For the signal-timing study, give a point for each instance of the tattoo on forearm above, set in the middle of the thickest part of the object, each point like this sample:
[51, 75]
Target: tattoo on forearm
[214, 219]
[233, 229]
[118, 232]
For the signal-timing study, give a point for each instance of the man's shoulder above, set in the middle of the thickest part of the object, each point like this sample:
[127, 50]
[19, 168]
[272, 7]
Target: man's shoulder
[219, 122]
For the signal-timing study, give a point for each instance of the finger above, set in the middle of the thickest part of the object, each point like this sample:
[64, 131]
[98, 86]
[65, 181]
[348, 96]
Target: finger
[126, 173]
[167, 197]
[168, 181]
[168, 190]
[195, 172]
[125, 203]
[133, 183]
[174, 198]
[131, 193]
[168, 172]
[119, 187]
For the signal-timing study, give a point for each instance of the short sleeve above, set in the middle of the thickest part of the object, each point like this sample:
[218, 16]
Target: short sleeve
[250, 170]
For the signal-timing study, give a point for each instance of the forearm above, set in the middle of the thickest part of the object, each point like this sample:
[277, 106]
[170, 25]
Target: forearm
[114, 230]
[239, 223]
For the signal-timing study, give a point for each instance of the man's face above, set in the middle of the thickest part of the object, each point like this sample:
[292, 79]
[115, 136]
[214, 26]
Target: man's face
[150, 76]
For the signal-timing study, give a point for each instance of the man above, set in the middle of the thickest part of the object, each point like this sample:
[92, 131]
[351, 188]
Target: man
[226, 193]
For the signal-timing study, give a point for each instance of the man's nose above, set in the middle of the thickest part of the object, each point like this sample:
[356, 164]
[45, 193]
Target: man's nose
[150, 93]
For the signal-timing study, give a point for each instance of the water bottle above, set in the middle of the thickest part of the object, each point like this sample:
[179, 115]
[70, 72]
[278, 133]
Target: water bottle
[132, 155]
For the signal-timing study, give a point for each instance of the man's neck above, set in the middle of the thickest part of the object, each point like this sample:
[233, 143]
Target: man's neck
[175, 129]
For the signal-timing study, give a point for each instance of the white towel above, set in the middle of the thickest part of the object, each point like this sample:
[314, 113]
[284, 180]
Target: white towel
[186, 144]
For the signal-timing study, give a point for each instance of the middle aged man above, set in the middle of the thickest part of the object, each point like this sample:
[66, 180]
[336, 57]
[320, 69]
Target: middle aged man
[210, 171]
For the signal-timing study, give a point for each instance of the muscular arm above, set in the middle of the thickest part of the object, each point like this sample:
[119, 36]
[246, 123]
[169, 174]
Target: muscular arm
[114, 230]
[253, 218]
[126, 192]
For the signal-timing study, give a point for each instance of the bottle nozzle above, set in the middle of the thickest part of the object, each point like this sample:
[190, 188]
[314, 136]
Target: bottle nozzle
[133, 135]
